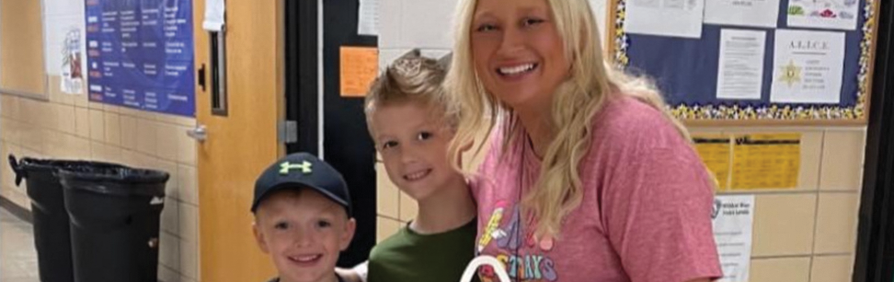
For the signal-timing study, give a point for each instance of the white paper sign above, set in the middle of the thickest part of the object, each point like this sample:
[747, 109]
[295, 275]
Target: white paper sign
[61, 19]
[678, 18]
[214, 15]
[758, 13]
[741, 69]
[833, 14]
[368, 21]
[807, 67]
[72, 69]
[733, 220]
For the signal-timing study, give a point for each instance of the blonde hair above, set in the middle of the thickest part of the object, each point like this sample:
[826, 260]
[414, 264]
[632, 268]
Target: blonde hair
[411, 77]
[576, 101]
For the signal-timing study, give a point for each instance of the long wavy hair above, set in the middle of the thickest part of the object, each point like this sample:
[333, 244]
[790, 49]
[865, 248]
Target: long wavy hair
[575, 102]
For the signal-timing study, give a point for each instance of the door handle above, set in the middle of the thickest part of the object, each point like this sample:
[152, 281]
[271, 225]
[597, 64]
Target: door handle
[201, 75]
[199, 133]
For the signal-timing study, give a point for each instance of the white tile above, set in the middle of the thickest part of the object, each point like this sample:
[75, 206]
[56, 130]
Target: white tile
[170, 216]
[427, 24]
[836, 223]
[832, 268]
[176, 120]
[97, 125]
[436, 54]
[129, 132]
[146, 136]
[189, 259]
[390, 16]
[842, 163]
[186, 146]
[147, 115]
[783, 269]
[21, 197]
[82, 122]
[166, 141]
[6, 173]
[172, 187]
[387, 195]
[385, 227]
[165, 274]
[189, 222]
[169, 252]
[9, 130]
[784, 225]
[54, 144]
[65, 118]
[187, 180]
[113, 128]
[9, 106]
[138, 160]
[111, 108]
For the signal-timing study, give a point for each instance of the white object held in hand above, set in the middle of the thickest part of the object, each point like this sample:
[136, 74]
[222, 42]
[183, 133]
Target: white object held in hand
[477, 262]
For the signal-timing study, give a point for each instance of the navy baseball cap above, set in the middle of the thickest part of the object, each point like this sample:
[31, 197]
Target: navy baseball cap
[302, 170]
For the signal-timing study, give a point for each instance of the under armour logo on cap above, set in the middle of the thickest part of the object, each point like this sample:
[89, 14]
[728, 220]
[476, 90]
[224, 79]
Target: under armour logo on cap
[305, 167]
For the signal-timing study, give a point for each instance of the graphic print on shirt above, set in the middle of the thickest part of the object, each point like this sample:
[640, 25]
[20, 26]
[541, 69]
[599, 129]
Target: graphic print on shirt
[523, 256]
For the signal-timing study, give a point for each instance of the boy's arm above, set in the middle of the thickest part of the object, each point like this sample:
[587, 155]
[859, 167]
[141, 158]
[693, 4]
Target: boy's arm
[356, 274]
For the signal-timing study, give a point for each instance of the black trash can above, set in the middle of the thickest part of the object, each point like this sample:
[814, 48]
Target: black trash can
[115, 214]
[51, 225]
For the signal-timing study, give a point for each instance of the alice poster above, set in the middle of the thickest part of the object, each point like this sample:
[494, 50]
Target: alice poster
[807, 67]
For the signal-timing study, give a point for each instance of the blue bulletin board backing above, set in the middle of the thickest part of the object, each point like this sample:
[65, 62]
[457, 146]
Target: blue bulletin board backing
[140, 54]
[686, 72]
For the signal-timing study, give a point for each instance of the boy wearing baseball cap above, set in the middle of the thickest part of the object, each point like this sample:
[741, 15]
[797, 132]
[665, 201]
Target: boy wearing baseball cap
[303, 218]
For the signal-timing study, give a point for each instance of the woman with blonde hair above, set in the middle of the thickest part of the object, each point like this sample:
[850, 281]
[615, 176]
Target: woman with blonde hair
[588, 178]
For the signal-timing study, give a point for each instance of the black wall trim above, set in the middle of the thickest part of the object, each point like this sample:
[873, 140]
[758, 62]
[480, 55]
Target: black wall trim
[346, 142]
[874, 260]
[302, 84]
[16, 210]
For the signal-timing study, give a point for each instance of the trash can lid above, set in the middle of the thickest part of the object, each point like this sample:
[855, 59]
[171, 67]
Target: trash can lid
[51, 164]
[28, 165]
[114, 180]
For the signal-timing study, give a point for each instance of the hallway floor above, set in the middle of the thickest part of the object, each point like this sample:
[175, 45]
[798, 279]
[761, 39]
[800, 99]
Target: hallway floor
[18, 259]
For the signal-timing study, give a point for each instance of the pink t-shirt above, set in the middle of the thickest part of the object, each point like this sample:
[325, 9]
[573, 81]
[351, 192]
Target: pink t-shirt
[645, 215]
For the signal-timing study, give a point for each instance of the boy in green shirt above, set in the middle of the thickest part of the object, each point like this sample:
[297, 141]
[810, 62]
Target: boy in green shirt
[409, 124]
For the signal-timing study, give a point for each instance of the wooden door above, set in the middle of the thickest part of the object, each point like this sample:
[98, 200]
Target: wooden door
[240, 143]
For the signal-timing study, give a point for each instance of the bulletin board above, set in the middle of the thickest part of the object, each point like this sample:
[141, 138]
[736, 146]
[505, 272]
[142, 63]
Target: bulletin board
[21, 49]
[140, 55]
[687, 69]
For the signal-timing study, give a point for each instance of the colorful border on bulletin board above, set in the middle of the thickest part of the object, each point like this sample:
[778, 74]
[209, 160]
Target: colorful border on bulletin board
[710, 114]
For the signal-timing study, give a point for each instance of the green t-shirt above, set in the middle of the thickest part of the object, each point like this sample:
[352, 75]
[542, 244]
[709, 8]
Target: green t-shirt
[410, 256]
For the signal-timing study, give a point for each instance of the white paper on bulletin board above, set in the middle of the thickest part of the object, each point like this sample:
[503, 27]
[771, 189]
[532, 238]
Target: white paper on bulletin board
[677, 18]
[733, 221]
[756, 13]
[64, 43]
[833, 14]
[368, 18]
[807, 67]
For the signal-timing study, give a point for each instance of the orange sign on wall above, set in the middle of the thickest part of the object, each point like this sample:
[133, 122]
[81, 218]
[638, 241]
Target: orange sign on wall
[358, 68]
